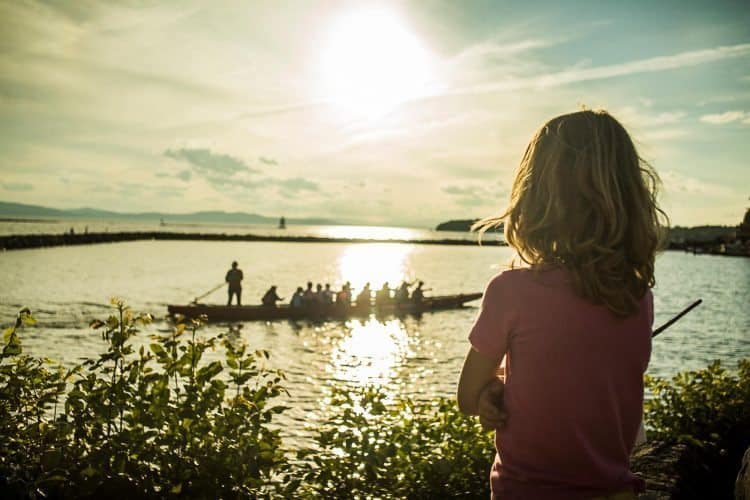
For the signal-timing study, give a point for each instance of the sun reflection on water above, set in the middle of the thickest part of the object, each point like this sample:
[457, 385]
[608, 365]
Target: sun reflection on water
[370, 352]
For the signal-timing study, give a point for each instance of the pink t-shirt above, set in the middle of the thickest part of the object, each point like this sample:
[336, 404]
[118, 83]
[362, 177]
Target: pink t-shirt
[574, 386]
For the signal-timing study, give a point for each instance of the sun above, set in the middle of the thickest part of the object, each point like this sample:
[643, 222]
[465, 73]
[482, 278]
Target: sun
[371, 62]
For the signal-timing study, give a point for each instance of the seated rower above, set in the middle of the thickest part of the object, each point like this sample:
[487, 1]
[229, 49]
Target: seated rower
[402, 294]
[344, 296]
[308, 297]
[328, 295]
[418, 294]
[298, 300]
[318, 296]
[383, 296]
[271, 297]
[363, 298]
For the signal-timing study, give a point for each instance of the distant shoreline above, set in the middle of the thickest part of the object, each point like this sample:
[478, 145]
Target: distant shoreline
[29, 241]
[28, 221]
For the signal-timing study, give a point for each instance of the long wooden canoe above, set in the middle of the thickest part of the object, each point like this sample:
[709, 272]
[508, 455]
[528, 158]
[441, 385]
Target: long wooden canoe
[284, 311]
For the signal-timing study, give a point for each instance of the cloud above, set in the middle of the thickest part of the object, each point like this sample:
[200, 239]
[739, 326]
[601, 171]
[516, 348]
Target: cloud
[475, 195]
[678, 182]
[206, 162]
[650, 65]
[292, 187]
[549, 79]
[225, 172]
[727, 117]
[17, 186]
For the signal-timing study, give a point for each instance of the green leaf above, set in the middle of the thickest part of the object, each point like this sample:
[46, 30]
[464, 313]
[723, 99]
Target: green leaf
[158, 350]
[208, 372]
[27, 319]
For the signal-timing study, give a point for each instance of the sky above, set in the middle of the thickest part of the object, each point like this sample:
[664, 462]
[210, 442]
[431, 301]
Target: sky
[388, 113]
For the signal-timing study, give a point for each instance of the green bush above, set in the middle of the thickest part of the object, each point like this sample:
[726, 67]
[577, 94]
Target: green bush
[164, 421]
[154, 423]
[708, 407]
[368, 449]
[709, 410]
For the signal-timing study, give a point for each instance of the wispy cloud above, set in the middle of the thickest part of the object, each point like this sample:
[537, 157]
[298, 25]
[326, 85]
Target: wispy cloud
[475, 195]
[727, 117]
[678, 182]
[550, 79]
[207, 162]
[296, 184]
[650, 65]
[17, 186]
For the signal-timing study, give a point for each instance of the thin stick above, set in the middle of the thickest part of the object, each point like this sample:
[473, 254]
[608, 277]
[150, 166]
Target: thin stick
[673, 320]
[195, 300]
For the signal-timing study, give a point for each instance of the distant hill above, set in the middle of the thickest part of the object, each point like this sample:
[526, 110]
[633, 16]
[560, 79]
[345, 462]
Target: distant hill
[20, 210]
[460, 225]
[701, 234]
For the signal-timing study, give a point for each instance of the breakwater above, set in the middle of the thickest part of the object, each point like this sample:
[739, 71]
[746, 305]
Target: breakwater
[25, 241]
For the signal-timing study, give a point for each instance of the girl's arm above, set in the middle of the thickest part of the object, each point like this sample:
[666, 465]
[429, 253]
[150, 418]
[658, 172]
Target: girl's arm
[478, 371]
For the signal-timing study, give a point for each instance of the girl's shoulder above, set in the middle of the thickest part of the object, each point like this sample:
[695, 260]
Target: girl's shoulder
[528, 275]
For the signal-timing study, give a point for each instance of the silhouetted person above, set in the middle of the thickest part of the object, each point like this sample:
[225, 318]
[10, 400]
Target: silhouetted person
[234, 278]
[417, 295]
[271, 297]
[298, 300]
[308, 298]
[383, 296]
[344, 296]
[363, 298]
[402, 294]
[328, 294]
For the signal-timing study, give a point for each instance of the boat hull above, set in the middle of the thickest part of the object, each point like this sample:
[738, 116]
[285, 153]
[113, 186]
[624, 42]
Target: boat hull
[284, 311]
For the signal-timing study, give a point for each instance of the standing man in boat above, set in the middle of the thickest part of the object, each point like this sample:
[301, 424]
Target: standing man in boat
[234, 279]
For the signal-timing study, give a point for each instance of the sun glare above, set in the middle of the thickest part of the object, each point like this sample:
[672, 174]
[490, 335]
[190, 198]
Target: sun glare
[375, 263]
[371, 62]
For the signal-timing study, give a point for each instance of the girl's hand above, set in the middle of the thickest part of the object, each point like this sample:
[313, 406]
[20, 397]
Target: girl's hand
[491, 408]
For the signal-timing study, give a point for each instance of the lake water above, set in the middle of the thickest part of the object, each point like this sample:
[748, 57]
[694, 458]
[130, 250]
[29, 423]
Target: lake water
[420, 357]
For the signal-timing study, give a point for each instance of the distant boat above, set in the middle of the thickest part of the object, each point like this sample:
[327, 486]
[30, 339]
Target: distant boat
[282, 223]
[285, 311]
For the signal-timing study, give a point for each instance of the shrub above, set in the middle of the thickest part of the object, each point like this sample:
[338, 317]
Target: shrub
[709, 410]
[368, 449]
[154, 423]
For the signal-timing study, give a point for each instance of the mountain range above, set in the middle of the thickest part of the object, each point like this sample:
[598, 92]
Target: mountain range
[21, 211]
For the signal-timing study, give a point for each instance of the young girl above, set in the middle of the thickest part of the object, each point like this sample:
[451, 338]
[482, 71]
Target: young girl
[574, 326]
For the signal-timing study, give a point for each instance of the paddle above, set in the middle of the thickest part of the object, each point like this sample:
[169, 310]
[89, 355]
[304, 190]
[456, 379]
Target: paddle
[673, 320]
[195, 300]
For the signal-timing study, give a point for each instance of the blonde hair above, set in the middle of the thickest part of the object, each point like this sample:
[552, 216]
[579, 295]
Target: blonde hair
[583, 199]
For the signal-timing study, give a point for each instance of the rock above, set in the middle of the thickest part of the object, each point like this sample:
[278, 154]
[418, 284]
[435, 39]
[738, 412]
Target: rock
[742, 484]
[671, 470]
